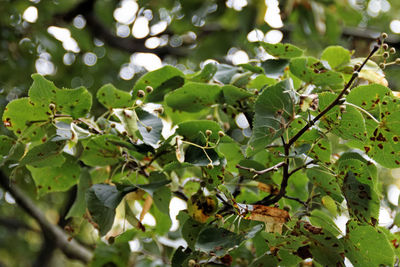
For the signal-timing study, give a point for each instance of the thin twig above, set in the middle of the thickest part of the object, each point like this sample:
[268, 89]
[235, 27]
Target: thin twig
[270, 169]
[296, 199]
[335, 102]
[301, 167]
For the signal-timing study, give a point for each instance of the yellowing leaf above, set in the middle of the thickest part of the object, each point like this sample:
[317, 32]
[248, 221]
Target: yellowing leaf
[201, 207]
[273, 218]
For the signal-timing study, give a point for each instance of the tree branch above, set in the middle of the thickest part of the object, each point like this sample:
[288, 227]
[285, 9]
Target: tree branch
[270, 169]
[274, 199]
[100, 31]
[70, 248]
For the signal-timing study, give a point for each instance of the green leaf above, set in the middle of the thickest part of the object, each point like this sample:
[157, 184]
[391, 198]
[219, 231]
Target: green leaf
[359, 189]
[198, 157]
[206, 74]
[6, 143]
[74, 102]
[336, 56]
[129, 120]
[191, 130]
[310, 70]
[282, 50]
[161, 198]
[322, 150]
[101, 201]
[275, 68]
[325, 248]
[162, 81]
[266, 260]
[368, 97]
[99, 151]
[43, 155]
[260, 82]
[190, 231]
[78, 209]
[218, 240]
[325, 181]
[233, 94]
[225, 73]
[111, 255]
[111, 97]
[156, 181]
[27, 125]
[193, 97]
[274, 110]
[351, 125]
[321, 219]
[56, 179]
[150, 127]
[180, 255]
[367, 246]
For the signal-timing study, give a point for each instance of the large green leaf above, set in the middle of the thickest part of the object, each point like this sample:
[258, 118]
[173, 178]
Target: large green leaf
[351, 125]
[359, 188]
[274, 110]
[282, 50]
[6, 143]
[78, 209]
[206, 74]
[111, 255]
[47, 154]
[218, 240]
[100, 151]
[26, 125]
[367, 246]
[150, 127]
[368, 97]
[190, 231]
[74, 102]
[162, 81]
[111, 97]
[56, 179]
[325, 181]
[233, 94]
[193, 97]
[310, 70]
[101, 201]
[336, 56]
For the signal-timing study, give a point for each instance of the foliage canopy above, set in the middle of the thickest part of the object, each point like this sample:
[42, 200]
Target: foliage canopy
[265, 156]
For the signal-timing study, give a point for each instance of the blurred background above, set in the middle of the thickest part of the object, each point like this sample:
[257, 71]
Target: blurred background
[93, 42]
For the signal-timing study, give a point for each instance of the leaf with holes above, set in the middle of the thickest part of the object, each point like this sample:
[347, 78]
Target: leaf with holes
[274, 110]
[110, 97]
